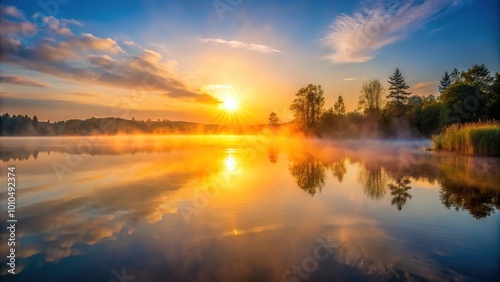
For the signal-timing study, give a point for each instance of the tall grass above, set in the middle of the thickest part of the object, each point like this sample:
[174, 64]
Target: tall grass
[481, 138]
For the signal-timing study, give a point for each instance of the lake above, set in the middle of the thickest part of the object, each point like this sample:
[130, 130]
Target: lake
[248, 208]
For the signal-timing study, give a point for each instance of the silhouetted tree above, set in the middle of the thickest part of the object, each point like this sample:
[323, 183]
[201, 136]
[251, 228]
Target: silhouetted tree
[372, 96]
[339, 107]
[454, 76]
[478, 76]
[493, 104]
[327, 120]
[462, 103]
[273, 119]
[307, 106]
[445, 82]
[397, 89]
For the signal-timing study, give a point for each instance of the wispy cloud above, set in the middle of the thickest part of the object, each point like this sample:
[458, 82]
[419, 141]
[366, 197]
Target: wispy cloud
[238, 44]
[19, 80]
[355, 38]
[12, 12]
[129, 43]
[352, 78]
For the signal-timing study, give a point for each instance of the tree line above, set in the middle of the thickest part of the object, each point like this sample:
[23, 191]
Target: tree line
[19, 125]
[464, 96]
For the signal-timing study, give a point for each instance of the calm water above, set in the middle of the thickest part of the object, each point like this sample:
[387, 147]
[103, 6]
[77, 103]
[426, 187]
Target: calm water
[249, 209]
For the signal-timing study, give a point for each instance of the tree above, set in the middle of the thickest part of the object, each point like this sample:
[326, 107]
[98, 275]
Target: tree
[445, 82]
[428, 118]
[461, 103]
[397, 90]
[478, 76]
[493, 103]
[372, 95]
[327, 120]
[307, 106]
[339, 107]
[273, 119]
[454, 76]
[35, 121]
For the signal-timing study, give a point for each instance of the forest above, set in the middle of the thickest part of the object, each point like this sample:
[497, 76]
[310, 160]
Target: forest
[464, 97]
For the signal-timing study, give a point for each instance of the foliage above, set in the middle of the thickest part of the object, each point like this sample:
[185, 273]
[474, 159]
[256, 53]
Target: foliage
[493, 103]
[372, 96]
[307, 107]
[397, 89]
[339, 107]
[478, 76]
[445, 82]
[463, 103]
[273, 119]
[455, 76]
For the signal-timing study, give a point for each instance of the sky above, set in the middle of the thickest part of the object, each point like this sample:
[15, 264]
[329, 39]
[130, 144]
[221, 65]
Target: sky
[183, 59]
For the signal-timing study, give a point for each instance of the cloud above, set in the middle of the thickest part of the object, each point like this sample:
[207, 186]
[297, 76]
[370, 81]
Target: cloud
[424, 88]
[54, 25]
[86, 58]
[422, 85]
[238, 44]
[66, 22]
[89, 42]
[12, 12]
[352, 78]
[19, 80]
[20, 29]
[354, 39]
[129, 43]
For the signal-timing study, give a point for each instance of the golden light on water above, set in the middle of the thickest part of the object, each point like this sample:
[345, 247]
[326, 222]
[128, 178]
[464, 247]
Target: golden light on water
[230, 163]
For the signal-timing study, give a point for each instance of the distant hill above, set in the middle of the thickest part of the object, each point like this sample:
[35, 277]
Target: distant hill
[19, 125]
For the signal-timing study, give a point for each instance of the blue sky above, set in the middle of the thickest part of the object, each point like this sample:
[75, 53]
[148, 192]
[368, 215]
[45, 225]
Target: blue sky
[88, 58]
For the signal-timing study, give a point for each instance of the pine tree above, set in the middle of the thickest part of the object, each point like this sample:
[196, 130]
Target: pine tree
[454, 76]
[445, 82]
[273, 119]
[339, 107]
[397, 90]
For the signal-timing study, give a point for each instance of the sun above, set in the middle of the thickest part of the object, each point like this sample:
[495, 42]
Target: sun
[230, 104]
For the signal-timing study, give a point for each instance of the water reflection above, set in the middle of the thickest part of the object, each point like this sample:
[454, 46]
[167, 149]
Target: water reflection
[119, 207]
[466, 183]
[338, 169]
[273, 155]
[373, 181]
[399, 192]
[309, 173]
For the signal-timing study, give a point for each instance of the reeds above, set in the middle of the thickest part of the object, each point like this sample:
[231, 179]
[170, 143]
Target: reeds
[481, 139]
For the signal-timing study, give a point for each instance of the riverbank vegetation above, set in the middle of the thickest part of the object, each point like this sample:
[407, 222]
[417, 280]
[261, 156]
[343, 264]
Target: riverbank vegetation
[482, 138]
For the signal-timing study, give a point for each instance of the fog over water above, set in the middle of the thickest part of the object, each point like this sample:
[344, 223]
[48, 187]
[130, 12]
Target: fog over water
[250, 208]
